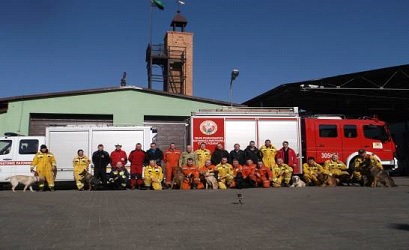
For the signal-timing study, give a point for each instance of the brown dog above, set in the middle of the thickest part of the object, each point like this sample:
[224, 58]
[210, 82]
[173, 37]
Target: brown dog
[327, 180]
[379, 175]
[177, 178]
[88, 179]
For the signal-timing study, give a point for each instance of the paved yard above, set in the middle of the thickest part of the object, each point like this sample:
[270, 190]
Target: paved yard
[309, 218]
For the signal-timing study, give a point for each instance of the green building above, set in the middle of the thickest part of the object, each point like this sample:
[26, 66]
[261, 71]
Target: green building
[117, 106]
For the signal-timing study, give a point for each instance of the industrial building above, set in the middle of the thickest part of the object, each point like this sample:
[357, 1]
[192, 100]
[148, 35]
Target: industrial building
[166, 112]
[381, 92]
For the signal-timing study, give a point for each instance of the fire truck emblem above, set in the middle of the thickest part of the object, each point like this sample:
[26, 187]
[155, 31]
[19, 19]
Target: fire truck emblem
[208, 127]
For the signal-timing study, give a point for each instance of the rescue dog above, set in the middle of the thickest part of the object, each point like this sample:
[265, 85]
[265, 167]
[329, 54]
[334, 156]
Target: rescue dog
[211, 181]
[380, 175]
[297, 182]
[89, 179]
[327, 180]
[27, 181]
[177, 178]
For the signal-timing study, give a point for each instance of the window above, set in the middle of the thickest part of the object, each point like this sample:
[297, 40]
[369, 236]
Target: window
[328, 131]
[350, 131]
[28, 147]
[5, 147]
[375, 132]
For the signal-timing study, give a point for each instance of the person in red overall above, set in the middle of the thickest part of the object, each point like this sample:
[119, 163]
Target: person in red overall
[137, 158]
[288, 155]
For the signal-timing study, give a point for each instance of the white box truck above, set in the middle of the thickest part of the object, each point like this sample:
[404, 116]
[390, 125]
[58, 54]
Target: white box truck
[17, 152]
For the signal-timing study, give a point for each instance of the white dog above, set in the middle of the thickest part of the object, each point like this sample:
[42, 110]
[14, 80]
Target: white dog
[297, 182]
[27, 181]
[211, 181]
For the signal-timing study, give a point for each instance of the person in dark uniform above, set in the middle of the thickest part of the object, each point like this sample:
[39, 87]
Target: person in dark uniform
[101, 159]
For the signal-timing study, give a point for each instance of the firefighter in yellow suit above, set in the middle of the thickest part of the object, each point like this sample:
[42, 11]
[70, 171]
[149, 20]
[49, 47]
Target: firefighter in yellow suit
[153, 176]
[364, 160]
[310, 172]
[336, 167]
[268, 153]
[45, 166]
[281, 172]
[225, 174]
[81, 164]
[203, 154]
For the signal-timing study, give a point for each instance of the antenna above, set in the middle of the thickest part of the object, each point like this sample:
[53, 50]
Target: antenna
[123, 80]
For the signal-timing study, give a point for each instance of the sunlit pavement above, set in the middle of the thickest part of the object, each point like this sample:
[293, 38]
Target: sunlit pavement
[284, 218]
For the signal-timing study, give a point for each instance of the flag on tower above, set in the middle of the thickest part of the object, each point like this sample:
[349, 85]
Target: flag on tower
[158, 4]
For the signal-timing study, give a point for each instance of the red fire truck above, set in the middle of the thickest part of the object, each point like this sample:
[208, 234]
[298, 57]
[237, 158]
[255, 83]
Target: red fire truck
[316, 136]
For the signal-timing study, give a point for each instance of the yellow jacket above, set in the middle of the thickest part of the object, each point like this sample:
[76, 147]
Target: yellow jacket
[268, 155]
[81, 163]
[332, 166]
[154, 173]
[44, 161]
[307, 169]
[373, 160]
[225, 170]
[202, 156]
[278, 169]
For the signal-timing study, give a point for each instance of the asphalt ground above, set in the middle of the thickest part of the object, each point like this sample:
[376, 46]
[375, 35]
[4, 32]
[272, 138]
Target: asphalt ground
[283, 218]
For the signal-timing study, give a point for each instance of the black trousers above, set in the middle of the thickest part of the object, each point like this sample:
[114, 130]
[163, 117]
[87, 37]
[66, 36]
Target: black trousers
[101, 174]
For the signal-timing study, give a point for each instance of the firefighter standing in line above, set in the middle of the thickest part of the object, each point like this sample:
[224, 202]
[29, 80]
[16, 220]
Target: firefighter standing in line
[81, 164]
[225, 173]
[252, 152]
[154, 153]
[282, 172]
[101, 159]
[118, 155]
[364, 160]
[153, 176]
[238, 154]
[218, 154]
[263, 175]
[186, 155]
[45, 166]
[337, 168]
[202, 154]
[268, 153]
[137, 159]
[192, 176]
[288, 155]
[171, 159]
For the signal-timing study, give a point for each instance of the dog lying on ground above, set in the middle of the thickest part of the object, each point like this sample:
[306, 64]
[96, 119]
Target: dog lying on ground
[297, 182]
[88, 179]
[177, 178]
[380, 175]
[27, 181]
[327, 180]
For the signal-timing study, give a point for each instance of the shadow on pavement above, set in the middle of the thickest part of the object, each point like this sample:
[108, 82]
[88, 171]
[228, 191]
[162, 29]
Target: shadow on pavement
[399, 226]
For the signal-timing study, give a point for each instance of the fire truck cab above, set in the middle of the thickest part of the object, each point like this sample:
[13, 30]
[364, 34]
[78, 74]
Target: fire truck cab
[325, 135]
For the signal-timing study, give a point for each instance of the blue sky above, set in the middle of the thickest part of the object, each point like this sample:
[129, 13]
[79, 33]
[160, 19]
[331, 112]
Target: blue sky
[62, 45]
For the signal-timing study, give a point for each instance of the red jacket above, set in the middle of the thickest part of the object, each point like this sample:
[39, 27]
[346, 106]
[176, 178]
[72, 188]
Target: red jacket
[116, 156]
[292, 157]
[137, 158]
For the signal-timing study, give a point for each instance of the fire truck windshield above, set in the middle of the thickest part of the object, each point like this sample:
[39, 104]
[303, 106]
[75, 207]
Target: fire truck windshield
[376, 132]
